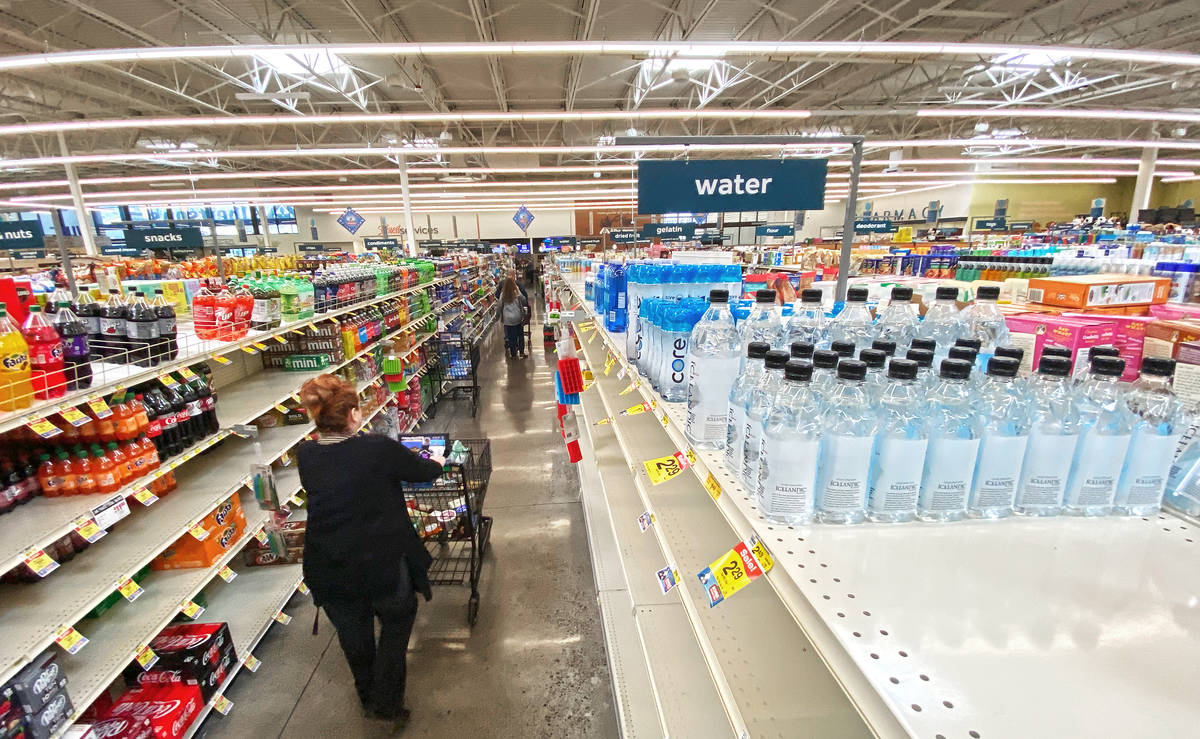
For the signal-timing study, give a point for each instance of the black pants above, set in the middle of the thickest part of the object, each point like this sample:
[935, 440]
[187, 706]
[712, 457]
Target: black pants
[380, 669]
[514, 339]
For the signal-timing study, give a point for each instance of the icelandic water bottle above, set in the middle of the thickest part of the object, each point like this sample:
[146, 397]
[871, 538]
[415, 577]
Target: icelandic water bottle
[825, 362]
[985, 322]
[764, 322]
[758, 404]
[967, 354]
[634, 279]
[844, 349]
[900, 448]
[924, 359]
[877, 378]
[851, 423]
[808, 322]
[1049, 350]
[712, 365]
[802, 350]
[1013, 352]
[1005, 438]
[677, 330]
[1155, 438]
[1086, 373]
[955, 429]
[1053, 436]
[791, 449]
[887, 346]
[943, 322]
[855, 323]
[1183, 482]
[1105, 430]
[898, 322]
[735, 408]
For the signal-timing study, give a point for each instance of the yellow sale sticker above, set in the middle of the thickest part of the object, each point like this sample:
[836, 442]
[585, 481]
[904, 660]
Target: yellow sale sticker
[99, 407]
[261, 535]
[73, 415]
[283, 618]
[187, 373]
[86, 527]
[226, 573]
[219, 359]
[252, 663]
[280, 339]
[665, 421]
[41, 563]
[632, 386]
[144, 496]
[608, 364]
[303, 588]
[70, 639]
[759, 550]
[191, 609]
[43, 428]
[736, 569]
[662, 469]
[588, 376]
[198, 532]
[260, 346]
[130, 590]
[603, 421]
[222, 705]
[167, 380]
[712, 486]
[281, 408]
[634, 410]
[249, 350]
[145, 657]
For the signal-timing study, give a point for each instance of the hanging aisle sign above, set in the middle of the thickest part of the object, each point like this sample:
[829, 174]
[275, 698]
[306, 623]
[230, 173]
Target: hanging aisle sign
[774, 231]
[586, 242]
[990, 224]
[182, 237]
[625, 236]
[21, 235]
[725, 185]
[523, 218]
[669, 231]
[873, 226]
[370, 244]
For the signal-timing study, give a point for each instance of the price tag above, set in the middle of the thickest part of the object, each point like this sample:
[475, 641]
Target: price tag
[222, 705]
[43, 428]
[621, 373]
[592, 338]
[166, 379]
[283, 618]
[682, 459]
[712, 486]
[260, 346]
[603, 421]
[295, 397]
[251, 663]
[759, 550]
[110, 511]
[198, 532]
[249, 350]
[303, 588]
[39, 562]
[630, 388]
[608, 363]
[130, 590]
[226, 574]
[99, 407]
[588, 376]
[281, 408]
[144, 496]
[145, 657]
[634, 410]
[736, 569]
[662, 469]
[191, 609]
[70, 639]
[187, 373]
[645, 521]
[261, 535]
[665, 421]
[219, 359]
[87, 529]
[311, 327]
[73, 415]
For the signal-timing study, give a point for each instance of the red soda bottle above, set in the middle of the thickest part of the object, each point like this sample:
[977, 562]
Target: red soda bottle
[204, 308]
[45, 356]
[226, 306]
[243, 309]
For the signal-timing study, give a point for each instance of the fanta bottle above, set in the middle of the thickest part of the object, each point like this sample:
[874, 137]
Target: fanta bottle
[126, 418]
[62, 463]
[149, 454]
[85, 479]
[104, 470]
[16, 389]
[139, 412]
[122, 466]
[204, 309]
[49, 478]
[106, 428]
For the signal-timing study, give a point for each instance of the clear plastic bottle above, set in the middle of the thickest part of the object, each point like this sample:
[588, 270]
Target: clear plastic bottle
[851, 423]
[1105, 430]
[855, 323]
[676, 332]
[985, 322]
[967, 354]
[713, 359]
[887, 346]
[825, 362]
[1017, 353]
[739, 393]
[943, 321]
[802, 350]
[1155, 439]
[926, 379]
[1104, 350]
[844, 349]
[791, 449]
[899, 457]
[1005, 438]
[808, 322]
[764, 322]
[758, 404]
[955, 430]
[636, 276]
[877, 377]
[1053, 436]
[898, 322]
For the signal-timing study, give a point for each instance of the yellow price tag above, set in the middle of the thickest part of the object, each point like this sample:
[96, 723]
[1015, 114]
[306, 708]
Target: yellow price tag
[608, 364]
[166, 379]
[592, 338]
[220, 359]
[43, 428]
[99, 407]
[283, 618]
[280, 339]
[712, 486]
[759, 550]
[260, 346]
[145, 657]
[249, 350]
[144, 496]
[665, 421]
[261, 535]
[691, 456]
[303, 588]
[281, 408]
[295, 397]
[191, 609]
[603, 421]
[222, 705]
[187, 373]
[634, 410]
[87, 529]
[252, 663]
[311, 327]
[41, 563]
[73, 415]
[198, 532]
[130, 590]
[588, 376]
[662, 469]
[226, 574]
[70, 639]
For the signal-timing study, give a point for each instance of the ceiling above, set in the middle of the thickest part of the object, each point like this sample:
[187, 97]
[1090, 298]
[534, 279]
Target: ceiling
[877, 95]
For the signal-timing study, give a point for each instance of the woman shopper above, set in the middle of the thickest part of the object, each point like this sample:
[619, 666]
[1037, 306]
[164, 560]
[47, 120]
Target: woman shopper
[514, 313]
[362, 558]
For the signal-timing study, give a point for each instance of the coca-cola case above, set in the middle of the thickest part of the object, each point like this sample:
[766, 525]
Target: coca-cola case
[34, 685]
[54, 714]
[170, 709]
[12, 718]
[196, 654]
[122, 727]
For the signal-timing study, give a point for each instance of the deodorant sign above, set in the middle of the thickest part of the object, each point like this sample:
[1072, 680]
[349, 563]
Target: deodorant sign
[788, 476]
[846, 474]
[997, 470]
[708, 397]
[898, 465]
[949, 470]
[1047, 465]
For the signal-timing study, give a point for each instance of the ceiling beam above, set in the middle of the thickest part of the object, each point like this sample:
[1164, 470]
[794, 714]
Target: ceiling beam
[485, 28]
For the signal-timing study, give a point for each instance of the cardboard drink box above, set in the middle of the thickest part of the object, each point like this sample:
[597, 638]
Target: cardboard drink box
[1087, 291]
[1033, 332]
[1163, 338]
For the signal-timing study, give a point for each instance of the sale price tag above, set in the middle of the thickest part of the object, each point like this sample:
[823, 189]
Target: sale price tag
[199, 532]
[191, 609]
[41, 563]
[303, 588]
[145, 657]
[280, 339]
[662, 469]
[70, 639]
[634, 410]
[144, 496]
[219, 359]
[712, 486]
[226, 574]
[603, 421]
[608, 364]
[665, 421]
[43, 428]
[283, 618]
[222, 705]
[260, 346]
[621, 373]
[252, 663]
[261, 535]
[87, 529]
[249, 350]
[683, 460]
[631, 387]
[187, 373]
[588, 376]
[167, 380]
[283, 408]
[736, 569]
[72, 415]
[99, 407]
[130, 590]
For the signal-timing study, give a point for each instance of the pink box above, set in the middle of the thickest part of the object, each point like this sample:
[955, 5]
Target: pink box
[1130, 335]
[1176, 311]
[1033, 331]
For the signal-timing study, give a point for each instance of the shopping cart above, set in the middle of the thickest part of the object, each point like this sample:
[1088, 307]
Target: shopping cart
[460, 364]
[448, 515]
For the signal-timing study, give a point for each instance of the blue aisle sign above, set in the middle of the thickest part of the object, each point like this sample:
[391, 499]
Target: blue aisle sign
[873, 226]
[307, 246]
[351, 221]
[181, 237]
[523, 218]
[669, 231]
[556, 243]
[990, 224]
[1020, 225]
[1097, 210]
[774, 231]
[724, 185]
[21, 235]
[934, 211]
[378, 243]
[589, 242]
[624, 236]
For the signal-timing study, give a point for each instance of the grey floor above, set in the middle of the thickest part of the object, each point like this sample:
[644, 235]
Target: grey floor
[533, 665]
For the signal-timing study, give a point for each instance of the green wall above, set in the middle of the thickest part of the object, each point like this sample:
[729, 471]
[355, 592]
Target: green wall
[1043, 203]
[1174, 193]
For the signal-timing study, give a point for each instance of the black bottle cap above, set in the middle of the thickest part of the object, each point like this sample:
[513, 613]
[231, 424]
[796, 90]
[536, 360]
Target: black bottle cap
[955, 369]
[843, 348]
[874, 358]
[1054, 366]
[987, 292]
[802, 349]
[1105, 350]
[975, 344]
[1160, 366]
[718, 296]
[1012, 352]
[757, 349]
[810, 295]
[851, 369]
[946, 293]
[902, 369]
[926, 344]
[798, 369]
[887, 346]
[764, 296]
[856, 295]
[923, 357]
[1107, 366]
[825, 359]
[999, 366]
[902, 293]
[1056, 351]
[776, 359]
[965, 353]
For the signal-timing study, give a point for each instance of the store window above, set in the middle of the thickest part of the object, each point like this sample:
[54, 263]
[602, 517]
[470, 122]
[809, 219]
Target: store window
[281, 219]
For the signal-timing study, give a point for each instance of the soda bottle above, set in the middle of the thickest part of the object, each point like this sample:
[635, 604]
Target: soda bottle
[193, 407]
[88, 311]
[154, 428]
[208, 404]
[105, 472]
[204, 308]
[149, 454]
[168, 346]
[30, 488]
[289, 300]
[62, 466]
[243, 309]
[45, 356]
[141, 332]
[118, 459]
[226, 306]
[85, 479]
[111, 341]
[48, 477]
[56, 299]
[106, 429]
[16, 387]
[274, 304]
[74, 334]
[126, 418]
[182, 428]
[10, 493]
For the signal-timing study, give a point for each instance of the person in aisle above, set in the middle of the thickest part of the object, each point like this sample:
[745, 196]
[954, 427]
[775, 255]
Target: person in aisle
[362, 557]
[531, 274]
[514, 314]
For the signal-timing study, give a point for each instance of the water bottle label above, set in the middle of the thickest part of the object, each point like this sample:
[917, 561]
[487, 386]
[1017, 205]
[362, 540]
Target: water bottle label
[735, 419]
[751, 443]
[1145, 476]
[998, 470]
[897, 474]
[787, 476]
[1097, 470]
[1047, 464]
[949, 469]
[846, 469]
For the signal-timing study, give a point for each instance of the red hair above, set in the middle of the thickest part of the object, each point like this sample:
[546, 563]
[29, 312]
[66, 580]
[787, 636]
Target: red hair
[329, 400]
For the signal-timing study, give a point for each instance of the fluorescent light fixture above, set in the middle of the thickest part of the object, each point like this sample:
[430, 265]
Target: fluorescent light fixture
[1049, 112]
[291, 95]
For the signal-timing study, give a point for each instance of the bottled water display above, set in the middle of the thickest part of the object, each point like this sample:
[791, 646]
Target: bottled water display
[712, 365]
[659, 279]
[1052, 438]
[802, 350]
[825, 363]
[984, 321]
[1005, 437]
[887, 346]
[765, 322]
[850, 423]
[877, 378]
[900, 449]
[758, 404]
[808, 322]
[854, 324]
[955, 430]
[791, 449]
[666, 330]
[1155, 438]
[739, 393]
[898, 322]
[943, 323]
[1105, 430]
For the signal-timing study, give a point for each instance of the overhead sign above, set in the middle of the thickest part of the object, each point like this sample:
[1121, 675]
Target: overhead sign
[990, 224]
[873, 226]
[1097, 210]
[522, 248]
[26, 254]
[774, 231]
[556, 243]
[669, 231]
[180, 237]
[724, 185]
[523, 218]
[119, 250]
[351, 220]
[623, 236]
[1020, 225]
[21, 235]
[429, 243]
[589, 242]
[933, 211]
[308, 246]
[380, 243]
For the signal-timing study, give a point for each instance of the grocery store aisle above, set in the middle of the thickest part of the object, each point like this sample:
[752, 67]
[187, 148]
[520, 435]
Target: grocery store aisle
[534, 664]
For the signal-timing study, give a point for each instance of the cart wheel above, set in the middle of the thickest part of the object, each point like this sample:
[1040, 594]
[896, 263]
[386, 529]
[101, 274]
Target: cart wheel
[472, 609]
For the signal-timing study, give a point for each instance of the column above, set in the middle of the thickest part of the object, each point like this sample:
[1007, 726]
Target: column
[1144, 184]
[409, 226]
[86, 228]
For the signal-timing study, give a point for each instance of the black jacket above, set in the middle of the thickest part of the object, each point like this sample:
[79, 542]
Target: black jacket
[359, 531]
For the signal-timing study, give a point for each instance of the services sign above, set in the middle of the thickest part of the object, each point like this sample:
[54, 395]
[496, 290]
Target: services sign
[21, 235]
[180, 237]
[669, 231]
[724, 185]
[774, 231]
[380, 243]
[873, 226]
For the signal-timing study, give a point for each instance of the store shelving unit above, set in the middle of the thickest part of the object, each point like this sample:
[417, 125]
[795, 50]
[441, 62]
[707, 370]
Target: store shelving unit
[971, 629]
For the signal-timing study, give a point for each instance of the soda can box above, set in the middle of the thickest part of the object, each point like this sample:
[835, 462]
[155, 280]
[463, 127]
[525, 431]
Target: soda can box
[306, 362]
[192, 644]
[266, 558]
[53, 716]
[122, 727]
[170, 709]
[188, 553]
[38, 682]
[207, 677]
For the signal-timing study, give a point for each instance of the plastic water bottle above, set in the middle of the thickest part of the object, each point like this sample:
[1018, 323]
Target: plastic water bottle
[1050, 350]
[967, 354]
[898, 322]
[802, 350]
[739, 393]
[1087, 372]
[900, 448]
[851, 423]
[677, 331]
[855, 323]
[791, 449]
[1155, 438]
[616, 316]
[924, 359]
[943, 322]
[712, 364]
[764, 322]
[887, 346]
[985, 322]
[1005, 438]
[844, 349]
[1105, 430]
[634, 289]
[825, 362]
[877, 378]
[1053, 436]
[956, 428]
[1017, 353]
[808, 322]
[758, 404]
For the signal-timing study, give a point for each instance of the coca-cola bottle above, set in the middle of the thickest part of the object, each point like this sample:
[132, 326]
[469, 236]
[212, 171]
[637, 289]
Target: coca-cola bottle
[179, 407]
[141, 332]
[170, 442]
[154, 429]
[208, 402]
[197, 428]
[168, 347]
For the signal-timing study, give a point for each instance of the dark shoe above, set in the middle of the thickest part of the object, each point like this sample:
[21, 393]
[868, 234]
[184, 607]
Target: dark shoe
[522, 355]
[399, 720]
